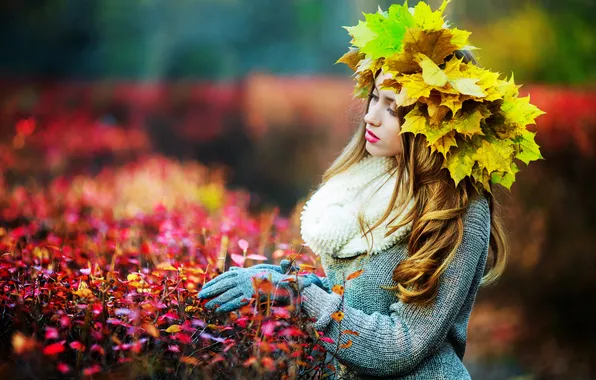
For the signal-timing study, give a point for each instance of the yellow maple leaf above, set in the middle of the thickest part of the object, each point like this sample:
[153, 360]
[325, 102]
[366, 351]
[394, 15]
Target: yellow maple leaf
[494, 155]
[425, 18]
[361, 33]
[431, 73]
[481, 178]
[520, 111]
[460, 38]
[415, 122]
[460, 163]
[453, 102]
[468, 124]
[413, 88]
[444, 143]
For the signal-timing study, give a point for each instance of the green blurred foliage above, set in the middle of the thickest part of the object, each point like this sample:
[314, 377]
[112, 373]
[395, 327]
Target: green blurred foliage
[541, 41]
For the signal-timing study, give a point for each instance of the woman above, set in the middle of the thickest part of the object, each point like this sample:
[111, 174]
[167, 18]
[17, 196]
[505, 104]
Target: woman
[407, 208]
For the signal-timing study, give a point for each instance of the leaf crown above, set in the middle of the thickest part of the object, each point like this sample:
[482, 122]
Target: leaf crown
[467, 114]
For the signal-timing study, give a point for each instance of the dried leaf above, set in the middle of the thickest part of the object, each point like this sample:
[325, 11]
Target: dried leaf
[338, 316]
[339, 289]
[353, 275]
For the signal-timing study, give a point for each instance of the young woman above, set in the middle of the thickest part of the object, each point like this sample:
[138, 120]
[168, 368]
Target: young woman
[407, 205]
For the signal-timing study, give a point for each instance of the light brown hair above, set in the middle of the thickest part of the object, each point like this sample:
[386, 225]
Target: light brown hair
[437, 215]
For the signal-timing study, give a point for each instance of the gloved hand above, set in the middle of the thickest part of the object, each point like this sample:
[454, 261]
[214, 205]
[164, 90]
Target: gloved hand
[284, 268]
[233, 289]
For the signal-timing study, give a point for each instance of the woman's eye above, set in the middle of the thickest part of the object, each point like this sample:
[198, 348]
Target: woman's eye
[392, 112]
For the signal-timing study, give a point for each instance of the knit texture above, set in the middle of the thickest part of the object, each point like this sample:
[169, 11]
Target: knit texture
[329, 223]
[398, 340]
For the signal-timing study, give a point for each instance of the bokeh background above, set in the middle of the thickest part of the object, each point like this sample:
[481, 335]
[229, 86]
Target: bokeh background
[250, 86]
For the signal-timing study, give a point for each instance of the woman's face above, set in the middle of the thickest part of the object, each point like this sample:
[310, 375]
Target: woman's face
[382, 125]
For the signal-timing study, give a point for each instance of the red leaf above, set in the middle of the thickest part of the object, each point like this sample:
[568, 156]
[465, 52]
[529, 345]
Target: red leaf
[54, 349]
[91, 370]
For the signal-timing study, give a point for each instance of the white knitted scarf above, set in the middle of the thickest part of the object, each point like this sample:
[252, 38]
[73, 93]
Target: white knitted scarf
[329, 224]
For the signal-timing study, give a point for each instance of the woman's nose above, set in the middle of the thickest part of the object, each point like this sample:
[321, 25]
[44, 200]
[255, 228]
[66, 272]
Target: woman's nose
[371, 117]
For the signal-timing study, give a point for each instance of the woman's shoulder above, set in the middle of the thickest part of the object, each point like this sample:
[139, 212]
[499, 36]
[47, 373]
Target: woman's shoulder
[477, 215]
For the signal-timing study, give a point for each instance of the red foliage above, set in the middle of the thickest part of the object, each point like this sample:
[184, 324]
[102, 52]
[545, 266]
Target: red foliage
[99, 292]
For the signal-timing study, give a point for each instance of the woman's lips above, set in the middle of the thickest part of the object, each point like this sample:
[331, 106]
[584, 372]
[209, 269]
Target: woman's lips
[370, 137]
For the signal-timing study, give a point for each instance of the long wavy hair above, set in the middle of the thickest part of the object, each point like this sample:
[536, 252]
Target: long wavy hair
[437, 215]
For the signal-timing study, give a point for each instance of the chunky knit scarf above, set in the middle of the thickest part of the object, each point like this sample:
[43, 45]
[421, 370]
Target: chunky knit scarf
[329, 224]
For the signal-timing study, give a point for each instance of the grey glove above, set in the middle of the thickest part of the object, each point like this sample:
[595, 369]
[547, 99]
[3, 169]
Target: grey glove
[233, 289]
[284, 268]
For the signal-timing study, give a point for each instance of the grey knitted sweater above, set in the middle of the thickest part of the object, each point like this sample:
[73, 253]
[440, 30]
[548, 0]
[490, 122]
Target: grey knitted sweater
[397, 340]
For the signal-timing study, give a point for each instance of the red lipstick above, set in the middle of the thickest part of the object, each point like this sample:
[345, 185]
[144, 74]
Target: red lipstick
[370, 137]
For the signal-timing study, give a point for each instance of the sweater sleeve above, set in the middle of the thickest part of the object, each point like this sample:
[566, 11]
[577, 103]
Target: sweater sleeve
[394, 344]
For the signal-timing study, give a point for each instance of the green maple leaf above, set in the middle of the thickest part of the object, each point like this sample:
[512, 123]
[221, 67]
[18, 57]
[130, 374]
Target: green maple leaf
[505, 179]
[529, 150]
[389, 31]
[361, 34]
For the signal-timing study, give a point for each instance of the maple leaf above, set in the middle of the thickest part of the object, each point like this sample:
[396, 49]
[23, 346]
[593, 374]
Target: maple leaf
[520, 112]
[494, 155]
[361, 33]
[415, 122]
[444, 143]
[351, 58]
[425, 18]
[348, 344]
[505, 179]
[431, 73]
[460, 38]
[412, 88]
[481, 178]
[460, 163]
[387, 27]
[453, 102]
[468, 123]
[529, 150]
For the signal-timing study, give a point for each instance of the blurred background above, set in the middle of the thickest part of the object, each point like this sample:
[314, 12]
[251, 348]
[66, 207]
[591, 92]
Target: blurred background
[251, 86]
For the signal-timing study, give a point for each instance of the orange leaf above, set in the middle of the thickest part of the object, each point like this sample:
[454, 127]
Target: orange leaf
[348, 344]
[306, 267]
[351, 332]
[249, 361]
[352, 276]
[189, 360]
[283, 346]
[22, 344]
[262, 284]
[338, 289]
[338, 316]
[151, 330]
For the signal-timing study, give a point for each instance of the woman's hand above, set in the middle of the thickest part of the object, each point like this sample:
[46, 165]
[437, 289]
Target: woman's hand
[233, 289]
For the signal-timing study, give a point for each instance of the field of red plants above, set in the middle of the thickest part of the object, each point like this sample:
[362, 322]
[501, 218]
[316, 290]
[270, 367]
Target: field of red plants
[99, 277]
